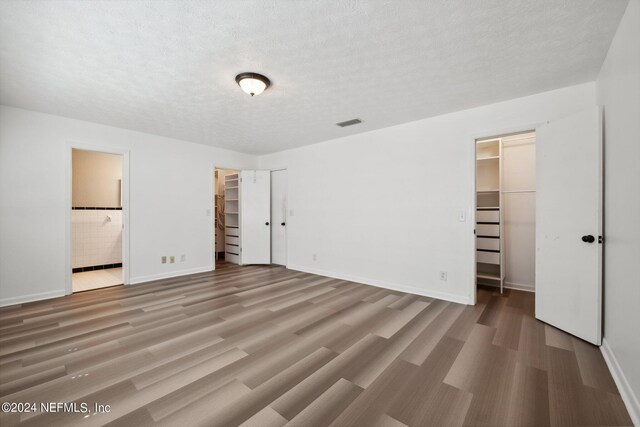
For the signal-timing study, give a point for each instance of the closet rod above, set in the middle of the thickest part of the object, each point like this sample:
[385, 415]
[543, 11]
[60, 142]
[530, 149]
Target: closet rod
[518, 191]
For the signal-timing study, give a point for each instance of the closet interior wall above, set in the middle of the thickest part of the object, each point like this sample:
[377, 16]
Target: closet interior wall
[519, 210]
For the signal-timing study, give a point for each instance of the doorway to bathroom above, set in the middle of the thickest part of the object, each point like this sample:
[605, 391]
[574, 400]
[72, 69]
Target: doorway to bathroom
[96, 219]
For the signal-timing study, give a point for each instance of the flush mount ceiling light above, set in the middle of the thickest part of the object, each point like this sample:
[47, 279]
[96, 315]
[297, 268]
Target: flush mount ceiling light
[252, 83]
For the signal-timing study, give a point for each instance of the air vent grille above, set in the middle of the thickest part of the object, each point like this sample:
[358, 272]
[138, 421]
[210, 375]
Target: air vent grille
[349, 123]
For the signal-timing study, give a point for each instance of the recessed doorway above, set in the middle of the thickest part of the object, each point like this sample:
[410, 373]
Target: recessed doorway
[97, 220]
[226, 218]
[506, 211]
[97, 237]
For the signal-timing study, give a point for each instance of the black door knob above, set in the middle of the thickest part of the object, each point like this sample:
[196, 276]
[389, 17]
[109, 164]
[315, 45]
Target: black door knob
[588, 238]
[266, 223]
[282, 224]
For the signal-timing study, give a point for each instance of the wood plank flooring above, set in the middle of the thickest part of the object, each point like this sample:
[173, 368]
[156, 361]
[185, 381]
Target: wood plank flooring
[266, 346]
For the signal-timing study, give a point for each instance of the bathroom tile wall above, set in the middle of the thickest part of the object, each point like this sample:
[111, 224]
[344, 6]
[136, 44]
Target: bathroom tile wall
[96, 237]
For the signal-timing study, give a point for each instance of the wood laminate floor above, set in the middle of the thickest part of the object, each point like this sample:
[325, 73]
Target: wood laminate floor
[266, 346]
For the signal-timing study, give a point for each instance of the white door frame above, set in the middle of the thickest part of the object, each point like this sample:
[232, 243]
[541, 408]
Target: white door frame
[485, 134]
[286, 214]
[124, 152]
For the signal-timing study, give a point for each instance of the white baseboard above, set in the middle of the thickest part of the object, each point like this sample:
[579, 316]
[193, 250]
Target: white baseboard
[519, 286]
[31, 297]
[386, 285]
[60, 293]
[170, 274]
[626, 392]
[511, 285]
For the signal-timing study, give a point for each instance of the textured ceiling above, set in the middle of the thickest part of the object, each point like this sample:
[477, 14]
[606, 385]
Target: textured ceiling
[168, 67]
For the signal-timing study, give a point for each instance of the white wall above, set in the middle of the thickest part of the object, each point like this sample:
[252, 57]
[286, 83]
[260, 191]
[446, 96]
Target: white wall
[96, 179]
[619, 92]
[171, 185]
[402, 232]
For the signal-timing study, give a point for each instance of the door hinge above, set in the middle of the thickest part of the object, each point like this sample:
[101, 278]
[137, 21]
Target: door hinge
[600, 239]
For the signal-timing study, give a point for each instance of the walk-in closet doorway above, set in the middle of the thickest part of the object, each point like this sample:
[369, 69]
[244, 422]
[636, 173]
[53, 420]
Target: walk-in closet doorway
[538, 218]
[506, 211]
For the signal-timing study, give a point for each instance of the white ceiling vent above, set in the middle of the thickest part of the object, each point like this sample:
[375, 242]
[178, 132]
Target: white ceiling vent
[349, 123]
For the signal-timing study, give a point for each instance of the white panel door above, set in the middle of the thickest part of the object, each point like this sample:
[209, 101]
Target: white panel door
[569, 223]
[279, 217]
[255, 212]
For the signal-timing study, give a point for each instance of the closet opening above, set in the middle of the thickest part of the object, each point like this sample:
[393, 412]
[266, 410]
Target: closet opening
[97, 244]
[506, 211]
[226, 218]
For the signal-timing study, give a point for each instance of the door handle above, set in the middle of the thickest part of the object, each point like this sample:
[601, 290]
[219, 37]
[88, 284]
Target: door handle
[588, 238]
[283, 224]
[266, 223]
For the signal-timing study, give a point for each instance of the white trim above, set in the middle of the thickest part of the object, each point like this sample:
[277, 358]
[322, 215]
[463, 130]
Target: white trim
[511, 285]
[170, 274]
[519, 286]
[213, 226]
[460, 299]
[31, 297]
[126, 232]
[600, 330]
[626, 392]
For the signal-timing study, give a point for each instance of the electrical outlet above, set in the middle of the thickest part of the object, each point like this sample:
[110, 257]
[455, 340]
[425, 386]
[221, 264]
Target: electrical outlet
[172, 259]
[183, 258]
[164, 259]
[443, 275]
[315, 257]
